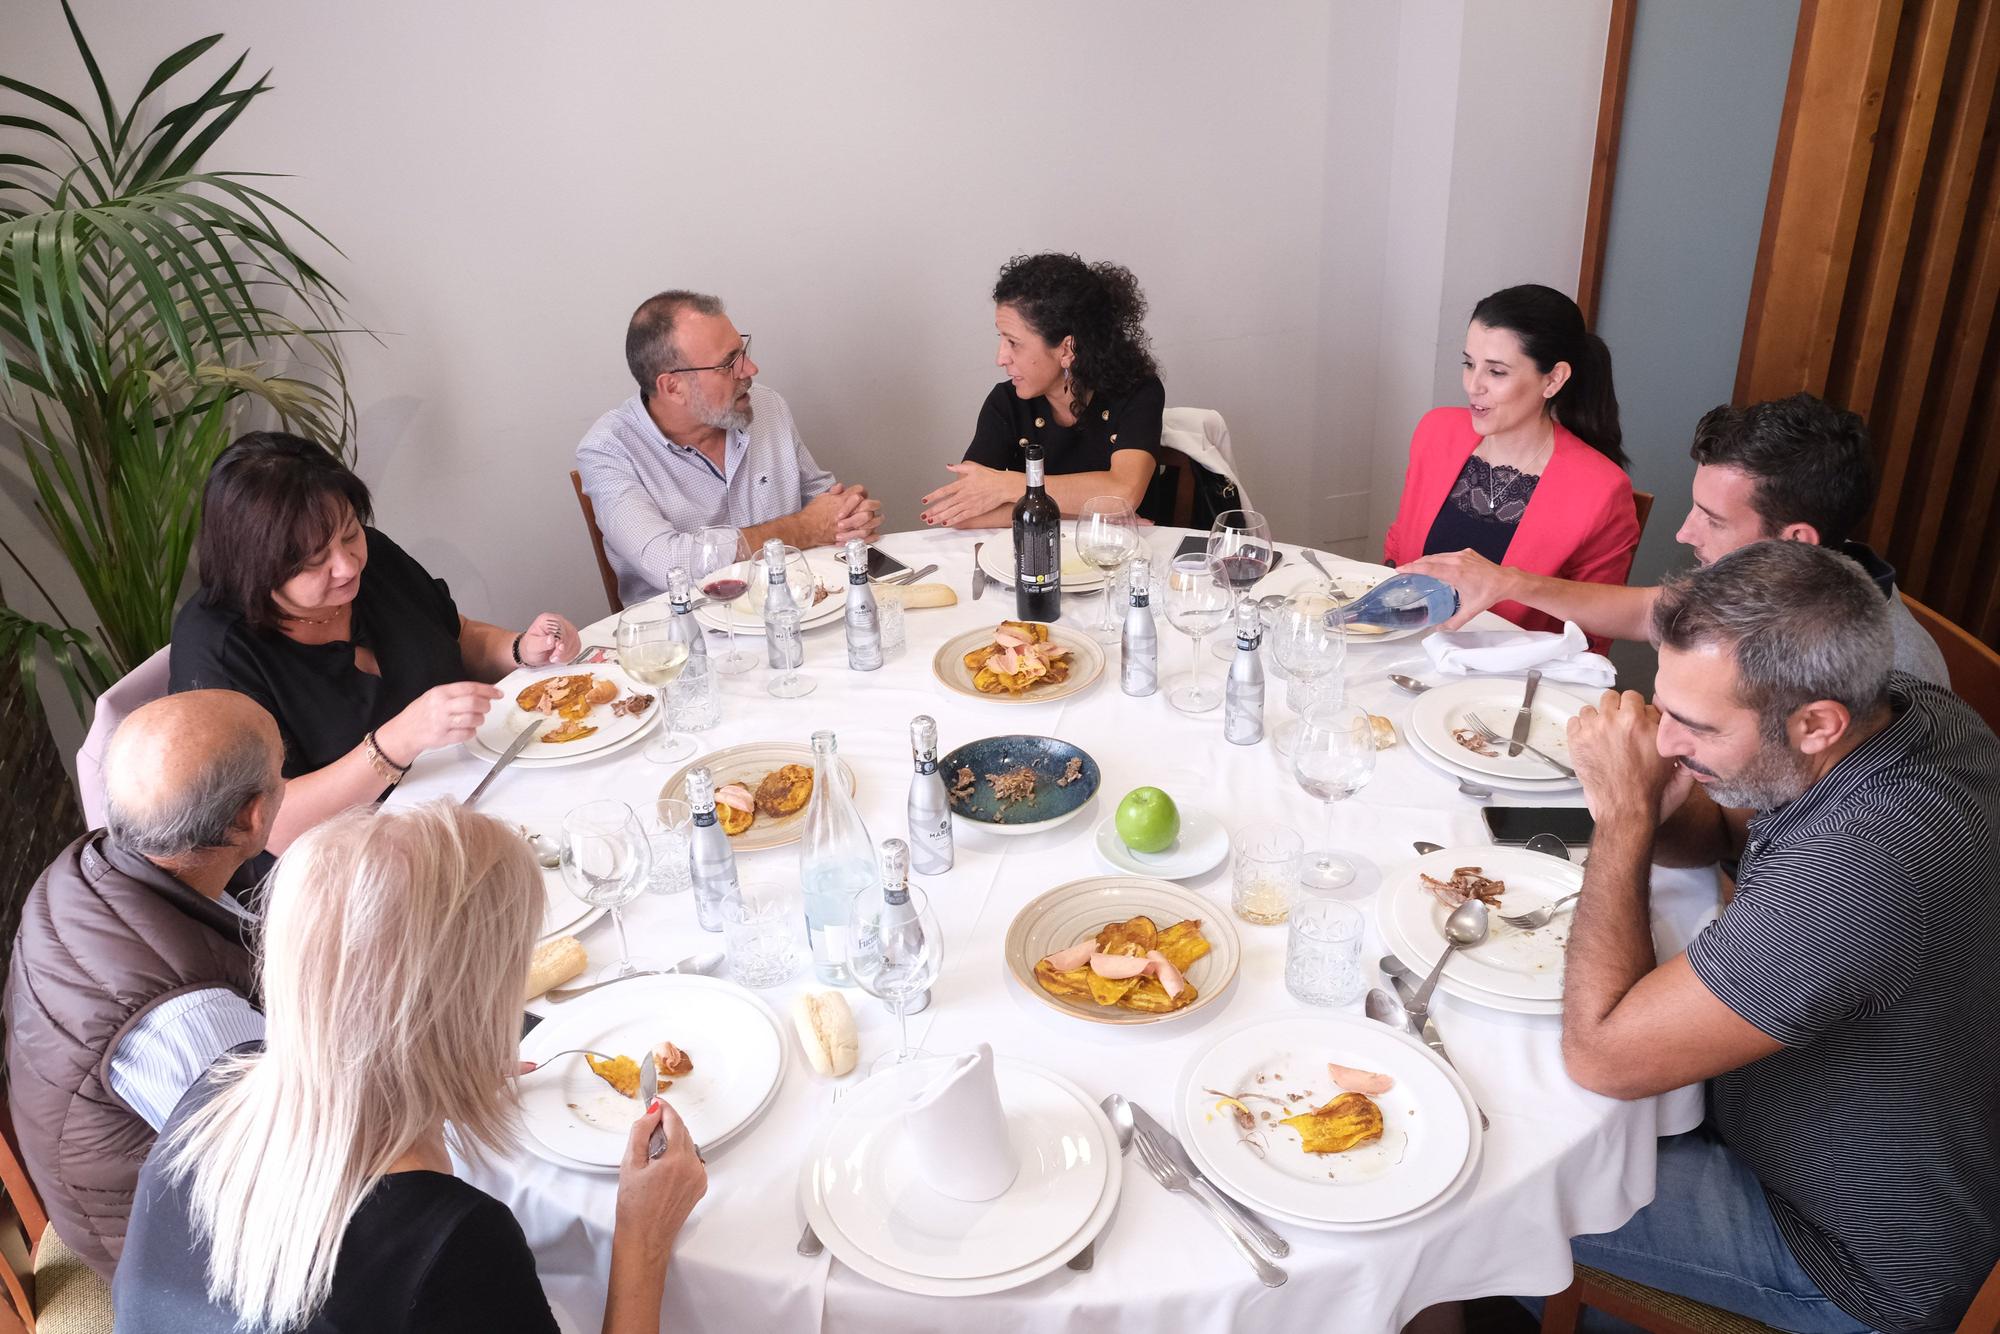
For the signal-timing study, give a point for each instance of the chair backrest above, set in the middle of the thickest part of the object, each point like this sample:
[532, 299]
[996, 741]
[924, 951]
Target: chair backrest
[1179, 468]
[604, 570]
[1974, 666]
[1642, 501]
[1983, 1316]
[142, 685]
[22, 1222]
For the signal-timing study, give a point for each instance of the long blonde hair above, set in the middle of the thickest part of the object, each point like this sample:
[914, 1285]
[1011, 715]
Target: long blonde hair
[395, 945]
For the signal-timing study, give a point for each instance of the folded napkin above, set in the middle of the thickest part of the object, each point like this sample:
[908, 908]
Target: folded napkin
[1563, 657]
[958, 1130]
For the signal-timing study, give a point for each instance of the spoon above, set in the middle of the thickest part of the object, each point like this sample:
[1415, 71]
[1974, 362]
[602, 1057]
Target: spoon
[1474, 790]
[1409, 683]
[1424, 849]
[1465, 928]
[1386, 1009]
[1120, 1112]
[548, 852]
[1549, 845]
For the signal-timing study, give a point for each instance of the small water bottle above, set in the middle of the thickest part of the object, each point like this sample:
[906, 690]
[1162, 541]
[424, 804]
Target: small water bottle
[931, 850]
[712, 864]
[1243, 693]
[864, 627]
[680, 594]
[1139, 640]
[780, 651]
[836, 862]
[899, 918]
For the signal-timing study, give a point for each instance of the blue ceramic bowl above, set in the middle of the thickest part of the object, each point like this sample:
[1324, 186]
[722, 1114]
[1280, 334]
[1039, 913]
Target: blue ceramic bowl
[1047, 756]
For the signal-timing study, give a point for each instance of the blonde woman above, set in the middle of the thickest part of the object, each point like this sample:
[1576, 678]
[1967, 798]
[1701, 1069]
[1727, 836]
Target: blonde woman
[306, 1186]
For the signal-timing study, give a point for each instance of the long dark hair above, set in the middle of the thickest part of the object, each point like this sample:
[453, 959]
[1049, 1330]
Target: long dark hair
[272, 501]
[1099, 305]
[1551, 329]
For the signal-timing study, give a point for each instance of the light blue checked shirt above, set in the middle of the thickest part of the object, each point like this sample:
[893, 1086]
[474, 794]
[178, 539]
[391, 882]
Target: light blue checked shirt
[653, 497]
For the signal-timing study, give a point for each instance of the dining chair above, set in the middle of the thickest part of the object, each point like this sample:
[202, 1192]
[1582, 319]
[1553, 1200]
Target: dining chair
[1974, 666]
[1642, 502]
[142, 685]
[604, 570]
[1667, 1313]
[45, 1287]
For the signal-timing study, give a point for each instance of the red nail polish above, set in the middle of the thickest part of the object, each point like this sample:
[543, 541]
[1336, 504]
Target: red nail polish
[653, 1106]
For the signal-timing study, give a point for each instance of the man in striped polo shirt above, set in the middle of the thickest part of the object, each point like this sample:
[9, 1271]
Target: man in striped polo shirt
[1847, 1176]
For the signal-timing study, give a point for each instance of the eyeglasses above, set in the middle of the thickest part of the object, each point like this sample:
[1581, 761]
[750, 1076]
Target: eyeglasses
[732, 363]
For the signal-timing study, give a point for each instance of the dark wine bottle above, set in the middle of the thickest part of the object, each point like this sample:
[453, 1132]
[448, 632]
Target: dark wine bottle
[1037, 548]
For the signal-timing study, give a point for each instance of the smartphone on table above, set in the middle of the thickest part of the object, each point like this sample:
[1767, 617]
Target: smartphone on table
[880, 563]
[1515, 825]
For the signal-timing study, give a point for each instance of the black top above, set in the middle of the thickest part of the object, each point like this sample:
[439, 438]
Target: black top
[1482, 511]
[324, 704]
[1104, 426]
[425, 1253]
[1856, 939]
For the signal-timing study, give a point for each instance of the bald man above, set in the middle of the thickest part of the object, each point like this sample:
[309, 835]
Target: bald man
[132, 970]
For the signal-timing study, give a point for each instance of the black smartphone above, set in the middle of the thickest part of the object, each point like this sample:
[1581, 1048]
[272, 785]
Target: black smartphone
[880, 563]
[1198, 546]
[1518, 824]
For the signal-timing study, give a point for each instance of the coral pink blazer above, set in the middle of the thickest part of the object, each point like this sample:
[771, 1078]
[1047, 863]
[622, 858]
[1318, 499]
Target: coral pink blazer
[1580, 523]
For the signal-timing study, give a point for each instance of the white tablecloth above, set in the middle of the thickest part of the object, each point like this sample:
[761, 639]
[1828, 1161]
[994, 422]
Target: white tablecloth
[1559, 1161]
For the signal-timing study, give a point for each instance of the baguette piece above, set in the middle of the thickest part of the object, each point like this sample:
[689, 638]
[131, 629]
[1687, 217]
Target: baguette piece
[1384, 730]
[554, 963]
[826, 1032]
[927, 595]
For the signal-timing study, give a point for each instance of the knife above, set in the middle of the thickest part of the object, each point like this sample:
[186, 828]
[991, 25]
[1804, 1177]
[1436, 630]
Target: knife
[1160, 1135]
[706, 964]
[649, 1088]
[978, 572]
[514, 747]
[1521, 723]
[1428, 1032]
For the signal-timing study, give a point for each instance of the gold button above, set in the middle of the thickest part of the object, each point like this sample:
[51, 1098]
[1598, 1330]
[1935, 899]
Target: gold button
[1024, 440]
[1107, 414]
[1114, 437]
[1039, 422]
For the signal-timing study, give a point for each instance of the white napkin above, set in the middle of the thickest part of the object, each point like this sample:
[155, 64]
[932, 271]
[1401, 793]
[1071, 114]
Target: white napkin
[1563, 657]
[958, 1130]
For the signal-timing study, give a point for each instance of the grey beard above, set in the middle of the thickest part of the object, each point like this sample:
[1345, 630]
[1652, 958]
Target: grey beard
[723, 416]
[1772, 779]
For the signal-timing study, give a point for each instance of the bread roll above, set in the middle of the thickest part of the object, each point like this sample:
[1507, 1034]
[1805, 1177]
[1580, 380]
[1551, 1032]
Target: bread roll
[927, 595]
[554, 963]
[1384, 730]
[826, 1032]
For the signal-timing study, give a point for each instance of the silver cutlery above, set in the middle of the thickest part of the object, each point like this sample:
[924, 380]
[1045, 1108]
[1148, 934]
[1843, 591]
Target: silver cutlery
[649, 1089]
[1409, 683]
[809, 1242]
[1492, 737]
[1540, 917]
[1387, 1009]
[514, 747]
[1312, 559]
[1525, 718]
[1465, 928]
[1173, 1179]
[1548, 845]
[706, 964]
[1425, 849]
[1471, 789]
[573, 1051]
[1121, 1124]
[1175, 1151]
[979, 575]
[909, 576]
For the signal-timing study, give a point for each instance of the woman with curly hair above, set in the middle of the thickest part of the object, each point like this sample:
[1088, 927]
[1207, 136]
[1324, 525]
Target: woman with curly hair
[1080, 382]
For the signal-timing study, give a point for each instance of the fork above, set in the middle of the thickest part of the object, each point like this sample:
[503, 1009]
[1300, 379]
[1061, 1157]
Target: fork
[1169, 1175]
[1540, 917]
[809, 1242]
[1312, 559]
[573, 1051]
[1488, 734]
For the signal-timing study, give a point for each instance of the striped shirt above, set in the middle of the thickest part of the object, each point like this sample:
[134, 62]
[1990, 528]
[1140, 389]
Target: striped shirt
[166, 1053]
[653, 497]
[1860, 937]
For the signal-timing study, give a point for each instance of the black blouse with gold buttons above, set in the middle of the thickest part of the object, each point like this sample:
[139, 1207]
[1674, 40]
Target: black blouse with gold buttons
[1105, 426]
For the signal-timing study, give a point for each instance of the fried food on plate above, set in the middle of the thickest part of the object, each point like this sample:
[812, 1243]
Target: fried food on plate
[1350, 1119]
[621, 1072]
[784, 790]
[1133, 965]
[569, 729]
[735, 808]
[1020, 657]
[570, 696]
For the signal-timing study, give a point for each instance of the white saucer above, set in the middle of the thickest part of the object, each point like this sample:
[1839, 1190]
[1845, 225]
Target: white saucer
[1202, 846]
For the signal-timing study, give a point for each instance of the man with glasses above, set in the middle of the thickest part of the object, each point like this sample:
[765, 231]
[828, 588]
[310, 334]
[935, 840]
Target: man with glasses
[700, 445]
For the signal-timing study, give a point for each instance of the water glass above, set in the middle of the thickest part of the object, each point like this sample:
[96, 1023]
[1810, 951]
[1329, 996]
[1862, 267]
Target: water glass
[763, 931]
[1323, 951]
[1197, 605]
[790, 682]
[1264, 873]
[889, 616]
[696, 697]
[1333, 759]
[669, 832]
[605, 862]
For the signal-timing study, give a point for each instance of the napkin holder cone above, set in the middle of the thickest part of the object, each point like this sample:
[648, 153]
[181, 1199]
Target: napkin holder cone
[958, 1130]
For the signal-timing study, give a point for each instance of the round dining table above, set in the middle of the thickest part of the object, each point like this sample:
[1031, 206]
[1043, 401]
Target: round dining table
[1558, 1161]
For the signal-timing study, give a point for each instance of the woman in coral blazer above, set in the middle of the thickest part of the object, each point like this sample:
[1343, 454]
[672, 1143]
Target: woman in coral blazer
[1531, 473]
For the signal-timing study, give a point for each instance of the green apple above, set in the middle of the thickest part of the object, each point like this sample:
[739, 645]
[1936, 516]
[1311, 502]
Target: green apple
[1147, 820]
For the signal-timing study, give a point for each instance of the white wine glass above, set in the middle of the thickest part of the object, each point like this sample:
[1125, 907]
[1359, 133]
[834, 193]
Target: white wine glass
[719, 556]
[1333, 759]
[1311, 652]
[1240, 549]
[895, 954]
[606, 858]
[1107, 536]
[1197, 605]
[651, 651]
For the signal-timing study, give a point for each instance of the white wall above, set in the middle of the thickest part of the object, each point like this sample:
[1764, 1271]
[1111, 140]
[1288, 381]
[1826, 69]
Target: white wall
[1312, 192]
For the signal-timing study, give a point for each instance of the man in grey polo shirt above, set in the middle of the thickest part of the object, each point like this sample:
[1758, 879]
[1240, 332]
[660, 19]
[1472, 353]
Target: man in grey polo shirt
[700, 445]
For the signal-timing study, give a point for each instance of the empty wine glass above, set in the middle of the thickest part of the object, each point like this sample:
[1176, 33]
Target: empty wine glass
[1311, 652]
[1197, 605]
[1333, 759]
[1107, 535]
[895, 954]
[651, 651]
[790, 682]
[720, 554]
[1239, 547]
[606, 858]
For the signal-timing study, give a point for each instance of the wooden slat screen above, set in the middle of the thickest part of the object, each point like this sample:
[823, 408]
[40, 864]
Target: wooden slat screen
[1878, 274]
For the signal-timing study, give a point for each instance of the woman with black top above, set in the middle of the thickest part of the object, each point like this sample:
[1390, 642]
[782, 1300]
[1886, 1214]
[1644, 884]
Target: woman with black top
[352, 646]
[1080, 381]
[307, 1187]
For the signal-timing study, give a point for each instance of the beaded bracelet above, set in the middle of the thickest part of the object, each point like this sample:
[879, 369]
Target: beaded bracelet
[517, 648]
[379, 760]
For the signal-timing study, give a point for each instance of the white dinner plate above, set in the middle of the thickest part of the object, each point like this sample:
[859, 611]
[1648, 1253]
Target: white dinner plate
[1444, 1197]
[1509, 962]
[1202, 846]
[748, 610]
[1497, 701]
[1061, 1249]
[1086, 665]
[1073, 913]
[506, 718]
[871, 1179]
[563, 913]
[1078, 574]
[748, 764]
[1556, 785]
[733, 1037]
[1427, 1134]
[1456, 987]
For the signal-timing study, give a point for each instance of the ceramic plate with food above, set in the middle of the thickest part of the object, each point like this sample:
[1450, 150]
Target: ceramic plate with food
[762, 790]
[1018, 784]
[1420, 895]
[1086, 949]
[827, 601]
[1439, 718]
[582, 710]
[1019, 662]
